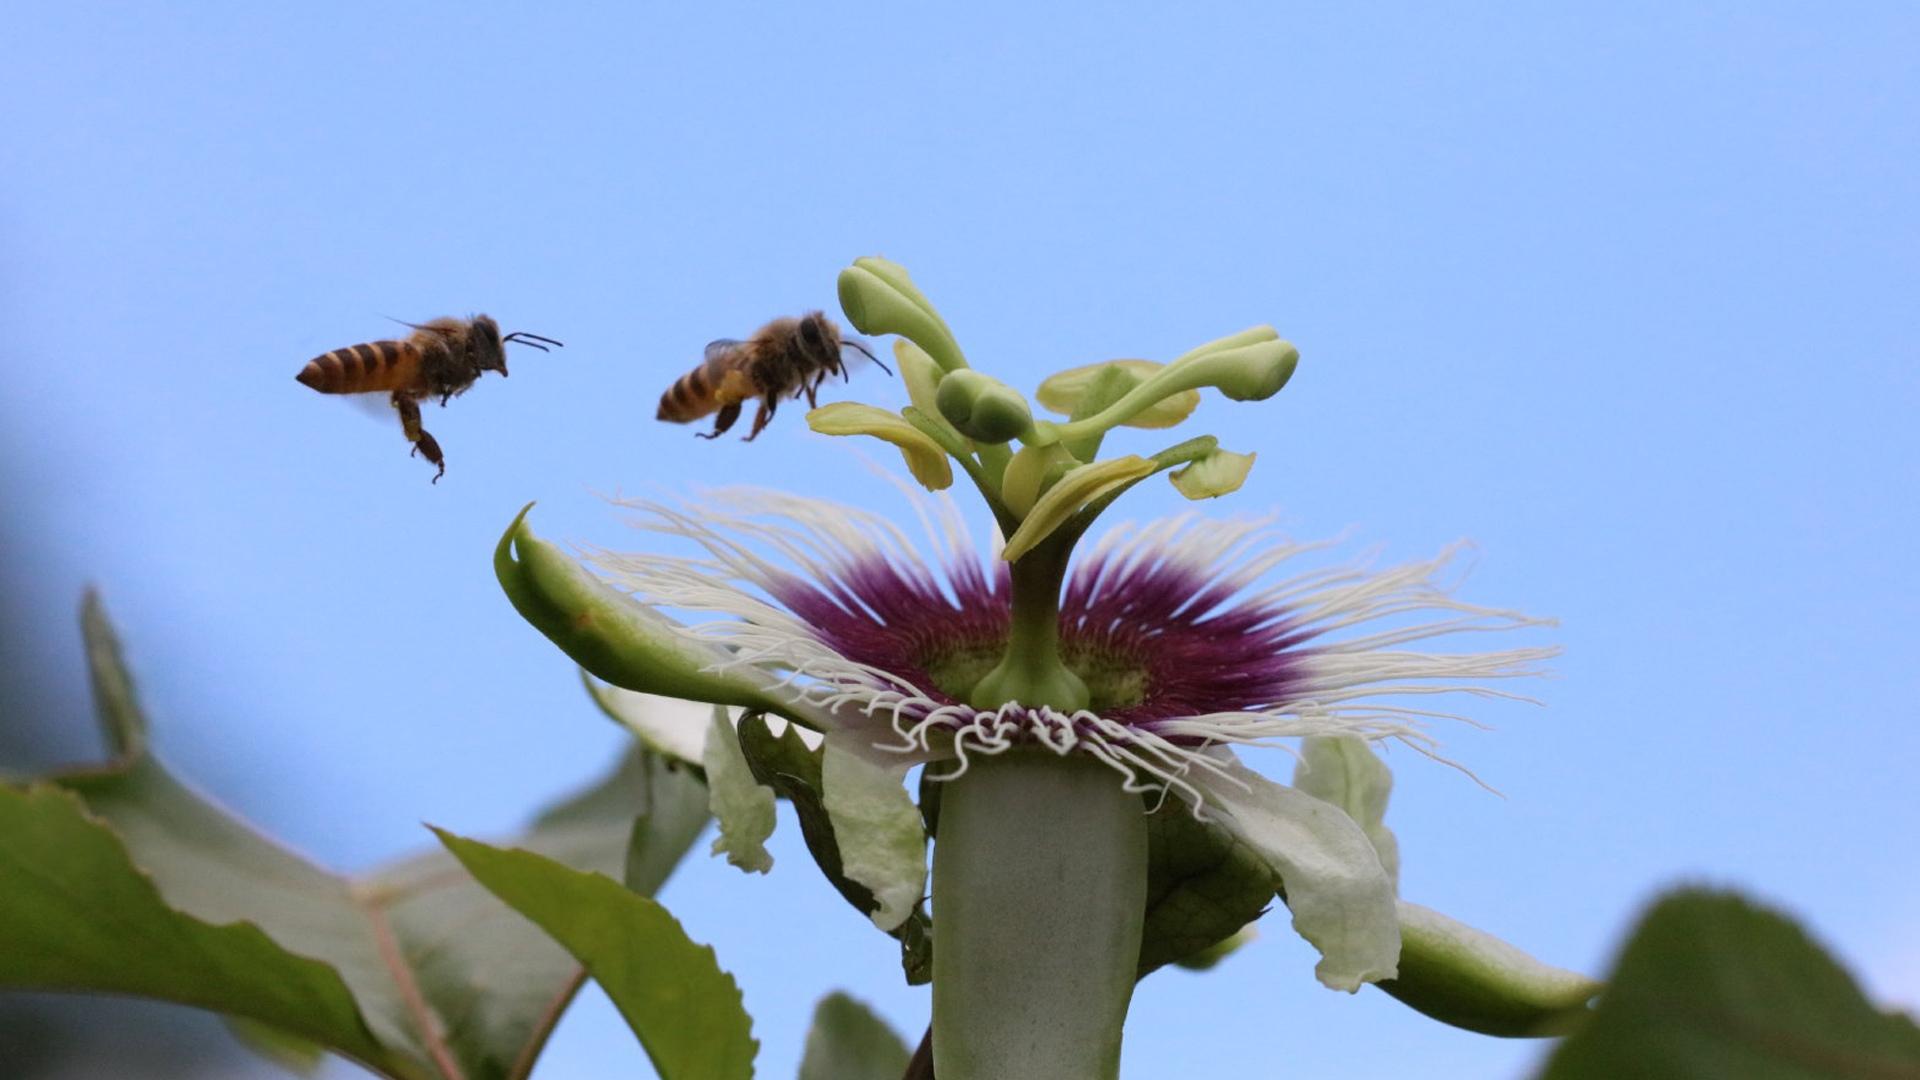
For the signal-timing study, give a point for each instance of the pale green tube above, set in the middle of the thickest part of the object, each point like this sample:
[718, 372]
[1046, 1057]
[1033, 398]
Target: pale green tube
[1039, 892]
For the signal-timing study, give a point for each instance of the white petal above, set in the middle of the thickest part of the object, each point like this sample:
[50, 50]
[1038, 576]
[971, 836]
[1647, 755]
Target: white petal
[669, 726]
[1341, 898]
[743, 807]
[883, 843]
[1345, 771]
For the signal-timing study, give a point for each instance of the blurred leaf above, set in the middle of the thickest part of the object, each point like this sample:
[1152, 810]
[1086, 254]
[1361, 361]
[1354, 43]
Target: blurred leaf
[1712, 986]
[302, 1057]
[1203, 885]
[794, 771]
[130, 882]
[75, 914]
[684, 1009]
[848, 1042]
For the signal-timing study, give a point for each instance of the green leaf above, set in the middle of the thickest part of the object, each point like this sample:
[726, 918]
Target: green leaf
[794, 771]
[1711, 985]
[848, 1042]
[302, 1057]
[130, 882]
[1203, 886]
[683, 1008]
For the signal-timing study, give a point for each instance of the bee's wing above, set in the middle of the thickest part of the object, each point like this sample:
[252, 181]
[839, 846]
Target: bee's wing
[719, 351]
[374, 403]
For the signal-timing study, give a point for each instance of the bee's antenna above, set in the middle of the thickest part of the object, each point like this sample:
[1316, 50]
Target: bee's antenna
[866, 352]
[533, 340]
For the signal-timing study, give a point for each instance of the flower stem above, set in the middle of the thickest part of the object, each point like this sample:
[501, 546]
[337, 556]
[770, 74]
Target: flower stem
[1031, 672]
[1039, 884]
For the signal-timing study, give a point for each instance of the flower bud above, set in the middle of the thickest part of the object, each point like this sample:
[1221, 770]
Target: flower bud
[982, 407]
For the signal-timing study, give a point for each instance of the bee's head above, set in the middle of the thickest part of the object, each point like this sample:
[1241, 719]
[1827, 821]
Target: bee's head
[819, 338]
[485, 348]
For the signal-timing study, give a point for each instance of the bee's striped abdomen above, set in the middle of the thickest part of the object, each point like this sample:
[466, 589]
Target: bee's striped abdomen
[378, 365]
[689, 398]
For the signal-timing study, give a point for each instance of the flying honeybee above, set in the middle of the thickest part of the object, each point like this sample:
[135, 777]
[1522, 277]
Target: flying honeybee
[441, 358]
[787, 358]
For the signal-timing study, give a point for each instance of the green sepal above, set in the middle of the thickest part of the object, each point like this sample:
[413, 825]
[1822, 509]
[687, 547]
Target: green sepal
[1203, 887]
[614, 637]
[1472, 980]
[1209, 958]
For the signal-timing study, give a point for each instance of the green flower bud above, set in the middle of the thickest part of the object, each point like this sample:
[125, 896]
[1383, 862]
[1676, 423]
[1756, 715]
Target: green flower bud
[879, 298]
[982, 407]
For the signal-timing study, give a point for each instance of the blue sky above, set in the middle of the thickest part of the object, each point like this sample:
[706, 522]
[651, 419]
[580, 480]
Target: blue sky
[1623, 295]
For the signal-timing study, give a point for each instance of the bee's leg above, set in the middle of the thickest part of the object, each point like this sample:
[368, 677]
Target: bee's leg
[761, 418]
[721, 422]
[423, 443]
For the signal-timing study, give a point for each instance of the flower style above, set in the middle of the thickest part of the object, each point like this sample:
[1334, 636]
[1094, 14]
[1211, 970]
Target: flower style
[1147, 662]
